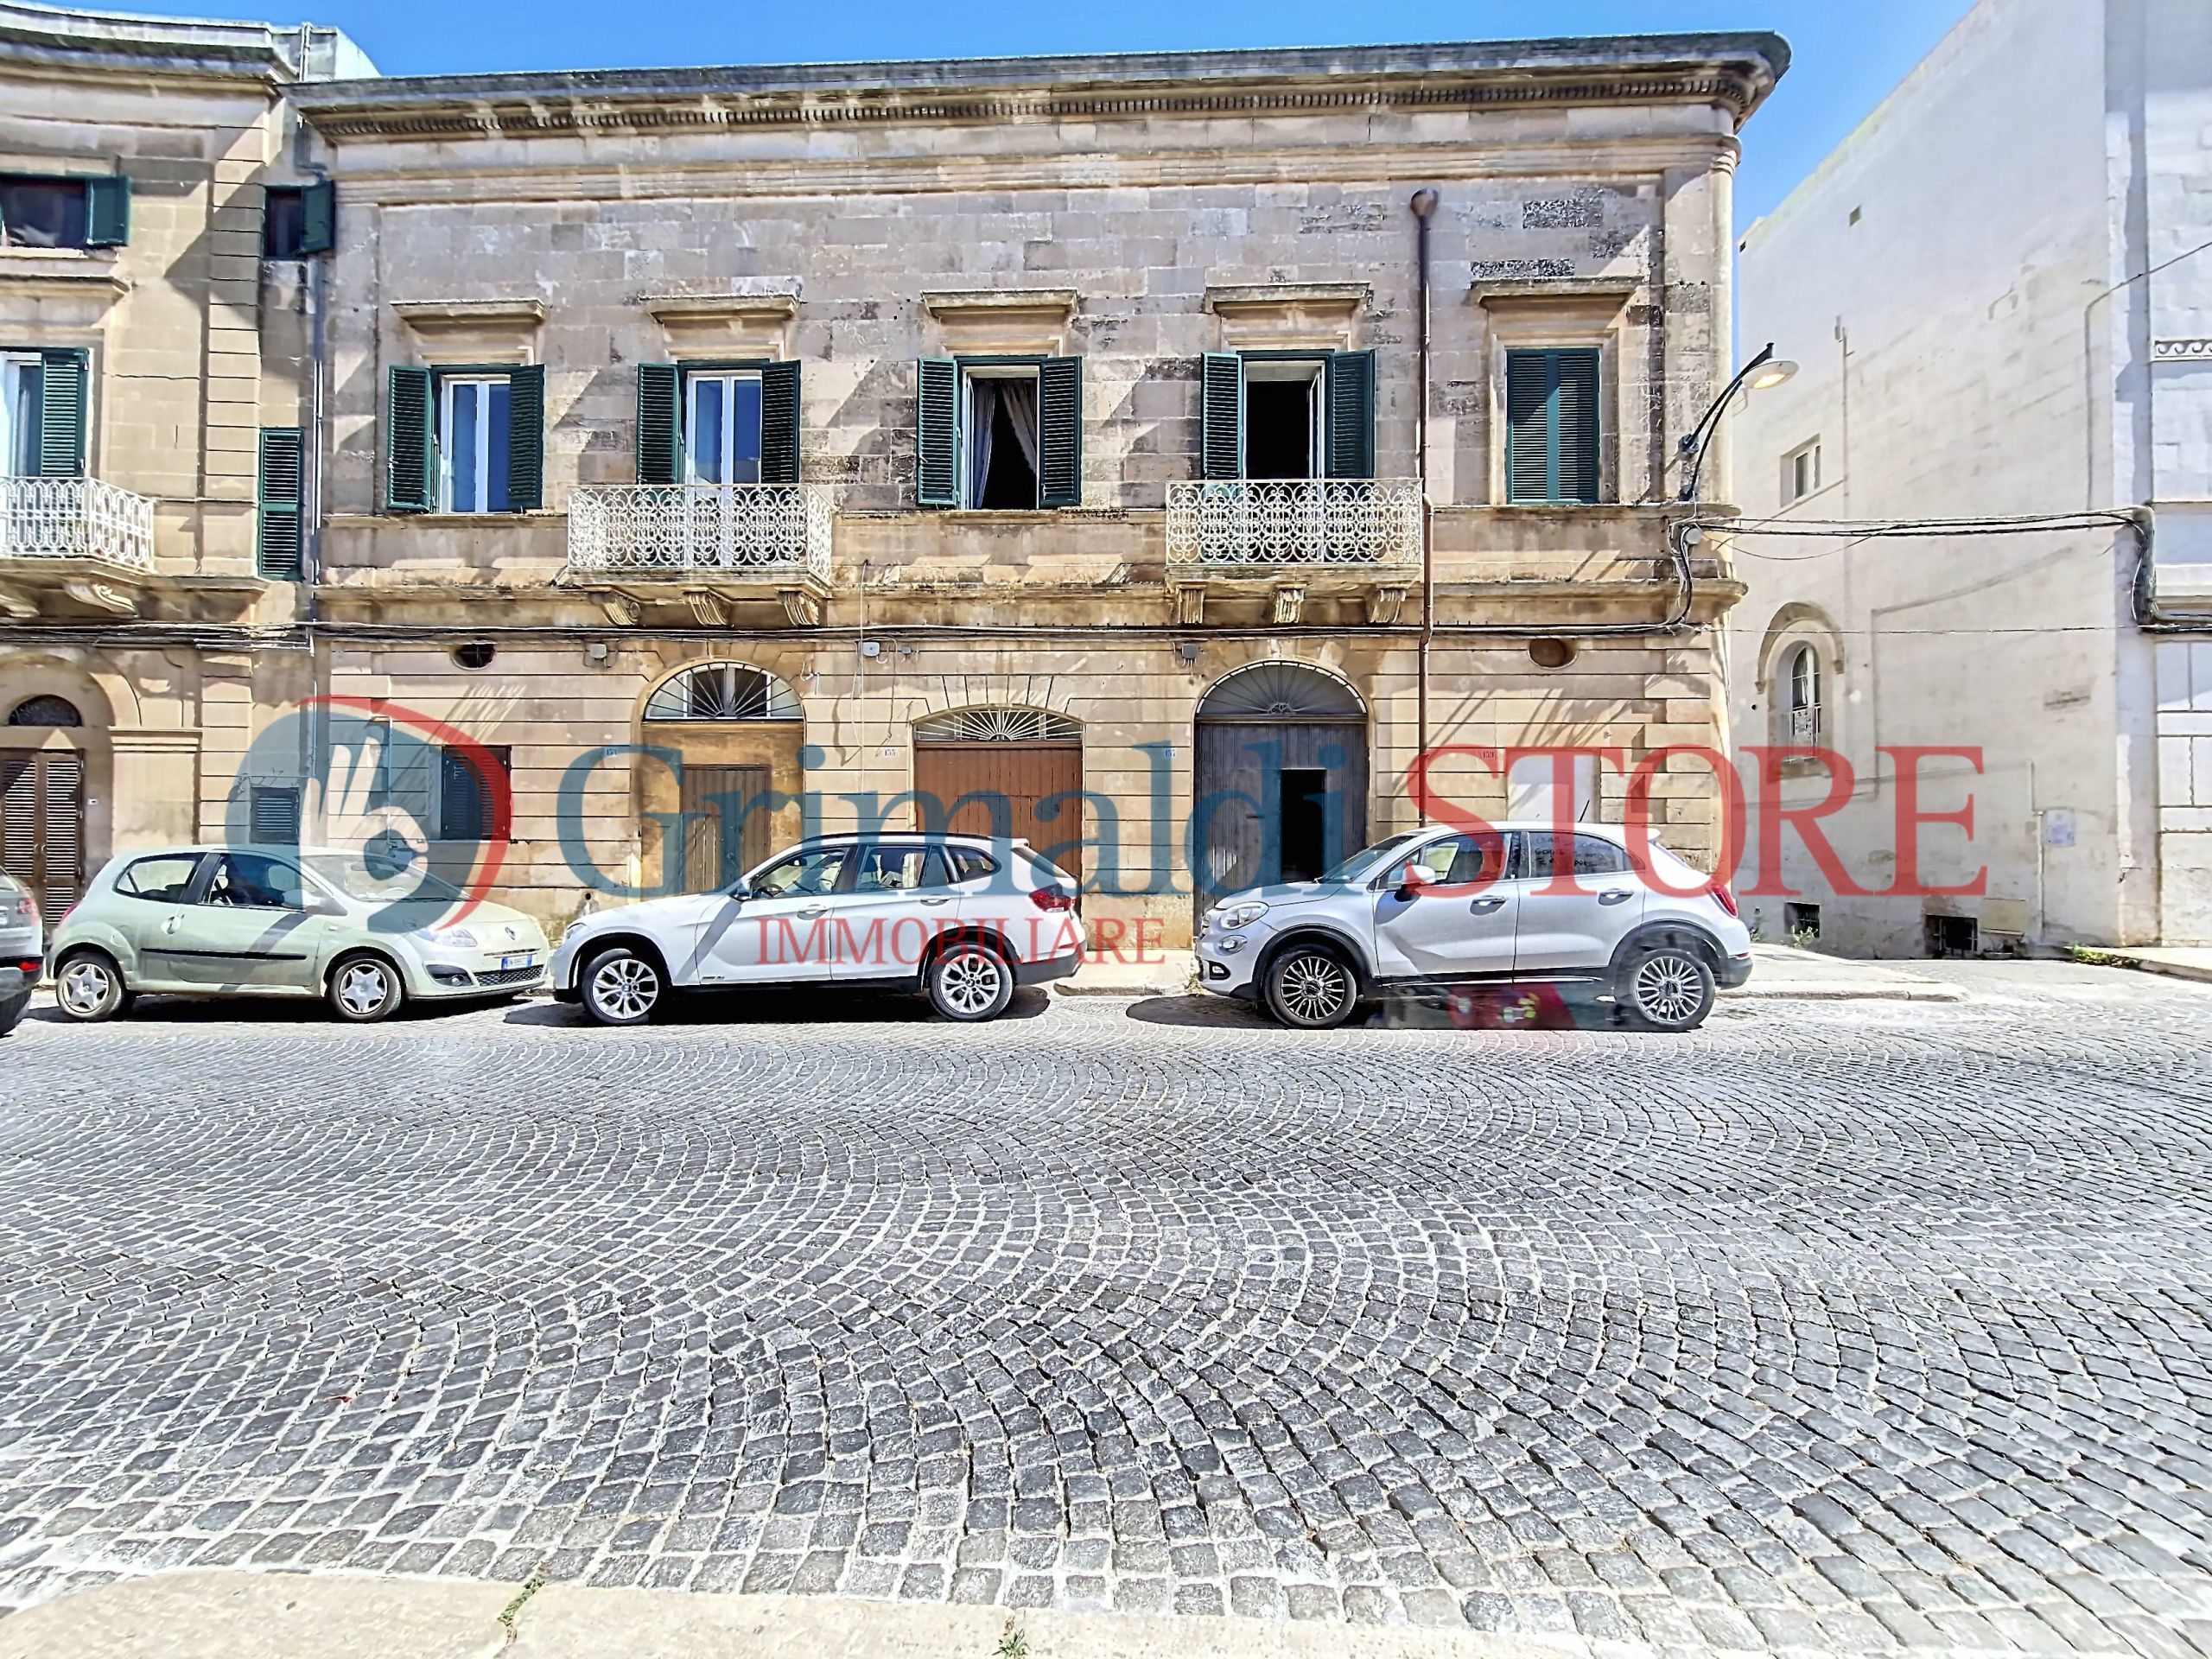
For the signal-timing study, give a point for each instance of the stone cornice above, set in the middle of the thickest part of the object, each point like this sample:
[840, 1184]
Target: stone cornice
[1732, 72]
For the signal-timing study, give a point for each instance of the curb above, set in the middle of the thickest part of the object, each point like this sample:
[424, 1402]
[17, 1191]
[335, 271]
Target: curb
[245, 1614]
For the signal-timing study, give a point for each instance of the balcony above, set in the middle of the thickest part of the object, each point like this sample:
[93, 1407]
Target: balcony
[79, 541]
[75, 518]
[1257, 525]
[717, 546]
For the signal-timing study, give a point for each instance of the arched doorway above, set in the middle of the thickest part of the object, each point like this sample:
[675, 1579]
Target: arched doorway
[1280, 779]
[42, 803]
[734, 731]
[1014, 772]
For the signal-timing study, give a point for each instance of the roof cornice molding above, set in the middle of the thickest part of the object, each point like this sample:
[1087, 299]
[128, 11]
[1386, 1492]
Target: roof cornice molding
[1733, 73]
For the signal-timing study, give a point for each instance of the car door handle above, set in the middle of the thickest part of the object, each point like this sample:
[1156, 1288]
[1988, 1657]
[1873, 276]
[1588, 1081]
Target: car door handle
[170, 926]
[1484, 906]
[812, 910]
[1616, 896]
[934, 903]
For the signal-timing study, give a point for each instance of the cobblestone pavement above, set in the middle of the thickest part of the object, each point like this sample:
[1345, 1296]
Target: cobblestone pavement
[1845, 1327]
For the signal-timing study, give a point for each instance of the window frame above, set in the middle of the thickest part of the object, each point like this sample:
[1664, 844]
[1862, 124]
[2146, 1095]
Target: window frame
[191, 884]
[83, 183]
[1807, 452]
[444, 381]
[271, 196]
[12, 362]
[453, 755]
[204, 894]
[1604, 488]
[1317, 409]
[691, 376]
[996, 368]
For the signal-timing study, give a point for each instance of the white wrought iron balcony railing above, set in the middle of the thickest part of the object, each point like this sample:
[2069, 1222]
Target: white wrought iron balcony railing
[1267, 523]
[679, 529]
[75, 518]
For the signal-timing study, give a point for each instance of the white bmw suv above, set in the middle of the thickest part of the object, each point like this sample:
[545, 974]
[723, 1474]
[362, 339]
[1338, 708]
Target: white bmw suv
[964, 918]
[1437, 910]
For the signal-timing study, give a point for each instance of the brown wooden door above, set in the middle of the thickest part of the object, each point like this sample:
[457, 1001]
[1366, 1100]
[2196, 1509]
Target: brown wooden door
[1276, 801]
[725, 825]
[962, 785]
[42, 826]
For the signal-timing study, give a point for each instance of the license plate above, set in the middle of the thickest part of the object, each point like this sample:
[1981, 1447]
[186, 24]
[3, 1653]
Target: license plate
[528, 959]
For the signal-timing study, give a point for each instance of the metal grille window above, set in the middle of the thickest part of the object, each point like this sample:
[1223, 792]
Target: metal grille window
[722, 691]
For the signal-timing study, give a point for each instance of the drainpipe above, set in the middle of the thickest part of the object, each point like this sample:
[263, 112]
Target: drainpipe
[311, 467]
[1424, 207]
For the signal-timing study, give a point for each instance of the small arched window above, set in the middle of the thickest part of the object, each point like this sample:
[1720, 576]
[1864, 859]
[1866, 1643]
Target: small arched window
[1802, 707]
[46, 711]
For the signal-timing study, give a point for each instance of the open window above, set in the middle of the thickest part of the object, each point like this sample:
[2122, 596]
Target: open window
[298, 220]
[44, 403]
[1001, 433]
[1288, 415]
[1801, 472]
[41, 211]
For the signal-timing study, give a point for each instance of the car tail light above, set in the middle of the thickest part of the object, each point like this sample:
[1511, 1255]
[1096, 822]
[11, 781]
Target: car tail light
[1052, 899]
[1725, 899]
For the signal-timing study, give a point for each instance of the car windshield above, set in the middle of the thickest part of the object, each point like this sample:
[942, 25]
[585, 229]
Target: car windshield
[1359, 864]
[375, 881]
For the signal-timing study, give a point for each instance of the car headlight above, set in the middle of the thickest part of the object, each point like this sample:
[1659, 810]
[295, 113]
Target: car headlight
[1243, 915]
[453, 938]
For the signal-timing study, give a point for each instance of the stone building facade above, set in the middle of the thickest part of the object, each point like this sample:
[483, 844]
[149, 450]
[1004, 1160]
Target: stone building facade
[1999, 291]
[737, 451]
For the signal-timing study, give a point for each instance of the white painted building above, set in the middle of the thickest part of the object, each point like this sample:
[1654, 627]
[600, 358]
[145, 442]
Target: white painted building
[1998, 290]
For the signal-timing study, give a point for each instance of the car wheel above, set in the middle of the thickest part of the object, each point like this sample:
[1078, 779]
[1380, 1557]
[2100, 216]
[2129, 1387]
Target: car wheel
[88, 986]
[1667, 987]
[621, 988]
[366, 988]
[970, 982]
[1310, 987]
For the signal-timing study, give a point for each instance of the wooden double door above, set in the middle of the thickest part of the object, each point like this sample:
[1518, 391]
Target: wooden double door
[1275, 800]
[42, 825]
[727, 824]
[1005, 789]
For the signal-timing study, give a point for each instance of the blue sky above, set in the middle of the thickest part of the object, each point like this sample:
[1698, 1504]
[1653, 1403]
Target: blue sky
[1849, 53]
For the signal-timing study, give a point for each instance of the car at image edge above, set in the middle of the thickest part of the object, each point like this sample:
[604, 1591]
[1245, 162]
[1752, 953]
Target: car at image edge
[963, 919]
[1437, 910]
[20, 952]
[271, 921]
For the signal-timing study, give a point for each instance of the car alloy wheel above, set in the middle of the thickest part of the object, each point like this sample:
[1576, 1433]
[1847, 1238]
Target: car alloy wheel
[1312, 988]
[970, 982]
[1670, 989]
[623, 989]
[89, 988]
[364, 989]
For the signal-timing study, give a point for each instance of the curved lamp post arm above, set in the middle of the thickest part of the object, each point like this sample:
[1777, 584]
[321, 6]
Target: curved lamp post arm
[1698, 438]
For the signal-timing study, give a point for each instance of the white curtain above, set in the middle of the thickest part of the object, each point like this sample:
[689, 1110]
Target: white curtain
[985, 397]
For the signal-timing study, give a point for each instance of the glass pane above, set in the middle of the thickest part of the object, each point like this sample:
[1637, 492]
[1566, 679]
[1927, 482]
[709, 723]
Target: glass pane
[43, 212]
[707, 432]
[744, 432]
[461, 448]
[25, 381]
[498, 397]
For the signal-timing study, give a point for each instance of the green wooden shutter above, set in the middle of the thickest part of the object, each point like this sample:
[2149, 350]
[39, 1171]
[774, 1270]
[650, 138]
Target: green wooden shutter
[658, 424]
[1577, 417]
[779, 423]
[1554, 428]
[1351, 413]
[937, 480]
[1220, 416]
[526, 438]
[107, 209]
[1059, 432]
[407, 442]
[318, 217]
[277, 543]
[64, 400]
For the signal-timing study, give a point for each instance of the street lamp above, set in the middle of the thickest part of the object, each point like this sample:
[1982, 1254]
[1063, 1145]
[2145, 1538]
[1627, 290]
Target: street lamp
[1764, 370]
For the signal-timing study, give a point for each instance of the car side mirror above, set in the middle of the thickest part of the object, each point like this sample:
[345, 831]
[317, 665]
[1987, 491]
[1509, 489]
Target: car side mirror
[739, 894]
[1416, 877]
[323, 905]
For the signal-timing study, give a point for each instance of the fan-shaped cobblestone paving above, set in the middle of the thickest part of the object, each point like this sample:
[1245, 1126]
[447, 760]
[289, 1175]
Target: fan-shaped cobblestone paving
[1850, 1328]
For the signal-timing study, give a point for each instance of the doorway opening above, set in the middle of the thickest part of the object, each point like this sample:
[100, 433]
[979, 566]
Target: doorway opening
[1304, 822]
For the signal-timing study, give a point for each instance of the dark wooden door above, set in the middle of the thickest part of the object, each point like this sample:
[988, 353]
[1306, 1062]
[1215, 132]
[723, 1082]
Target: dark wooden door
[996, 788]
[42, 826]
[1270, 794]
[726, 825]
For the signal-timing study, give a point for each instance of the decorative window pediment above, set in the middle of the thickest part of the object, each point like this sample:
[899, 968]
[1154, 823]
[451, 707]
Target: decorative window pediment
[1288, 316]
[1016, 321]
[717, 326]
[472, 331]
